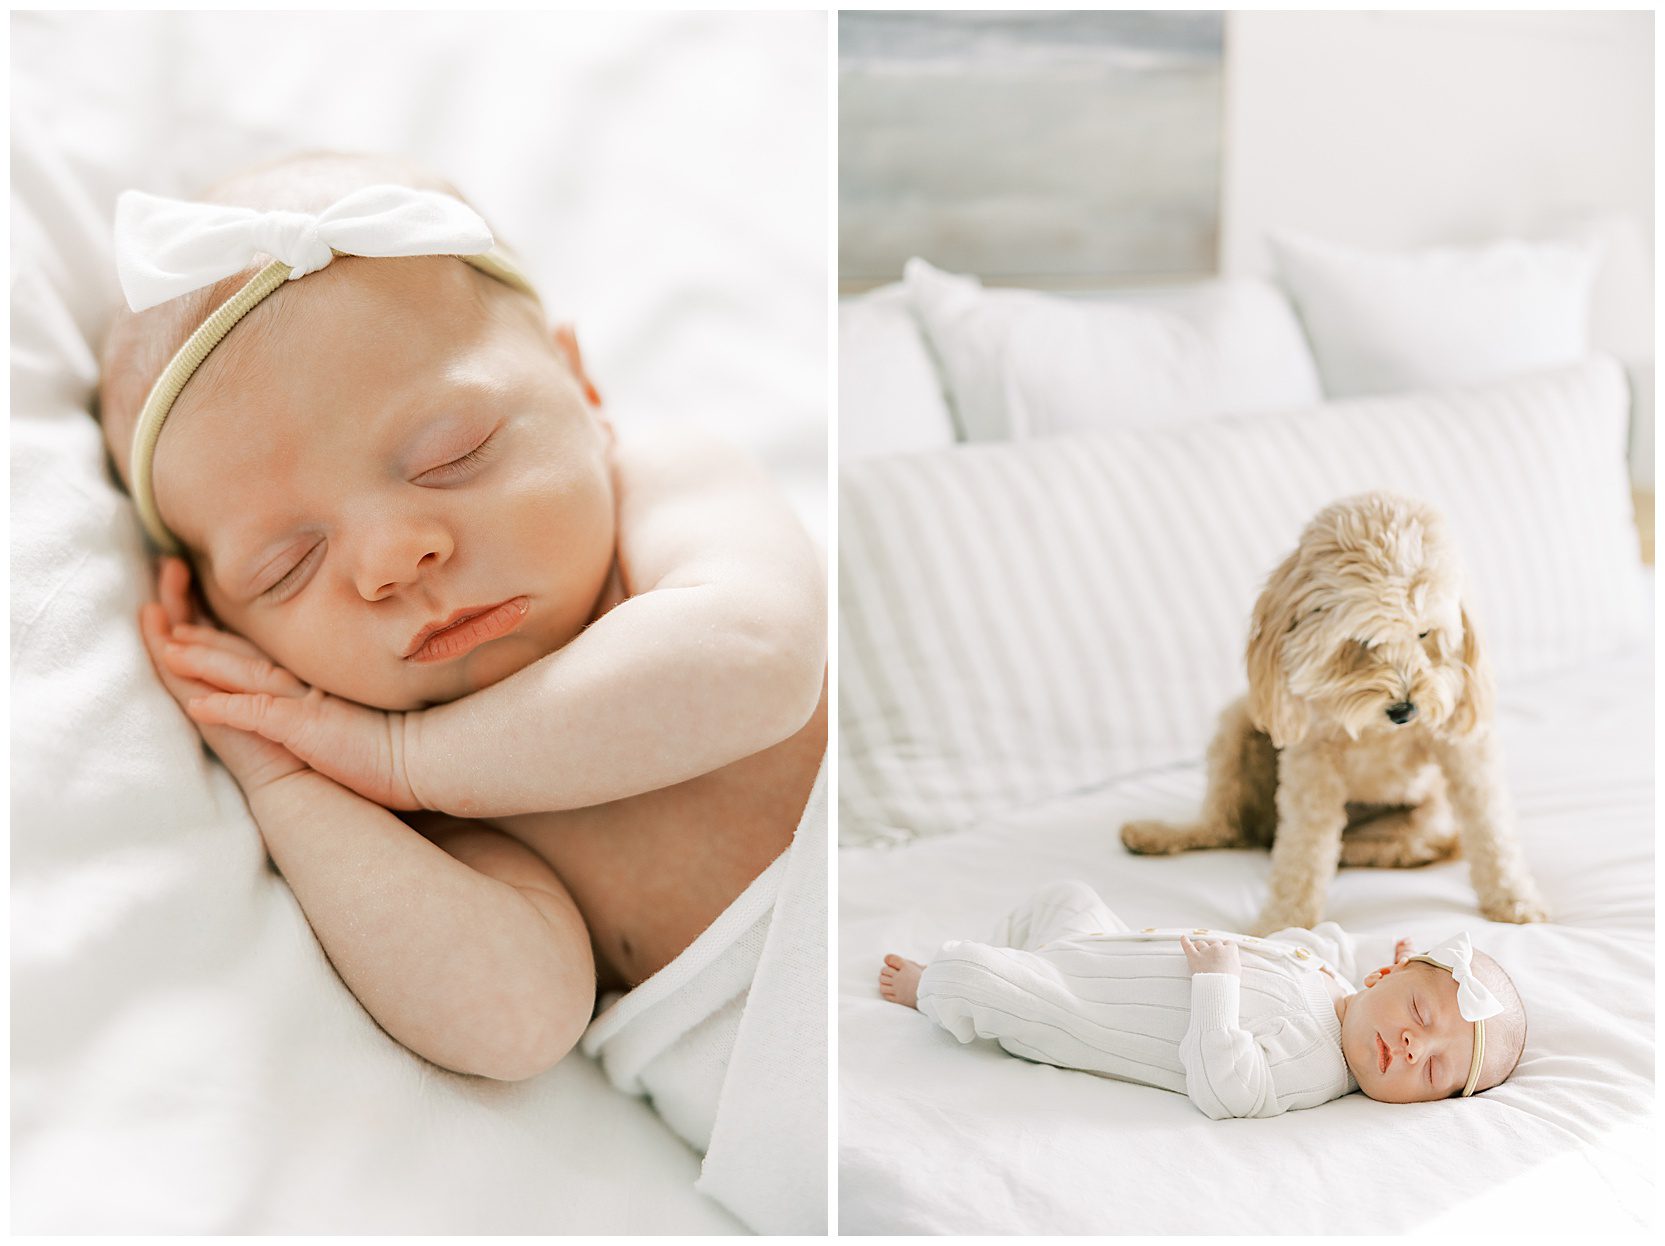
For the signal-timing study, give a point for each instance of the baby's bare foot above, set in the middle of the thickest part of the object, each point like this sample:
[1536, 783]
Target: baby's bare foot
[899, 980]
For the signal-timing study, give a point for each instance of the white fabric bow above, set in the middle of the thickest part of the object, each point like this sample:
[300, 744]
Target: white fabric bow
[169, 247]
[1474, 1001]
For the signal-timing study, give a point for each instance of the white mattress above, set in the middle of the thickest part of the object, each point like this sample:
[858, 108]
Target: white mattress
[935, 1137]
[184, 1059]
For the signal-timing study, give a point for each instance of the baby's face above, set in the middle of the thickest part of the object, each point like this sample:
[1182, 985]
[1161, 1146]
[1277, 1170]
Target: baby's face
[379, 457]
[1404, 1039]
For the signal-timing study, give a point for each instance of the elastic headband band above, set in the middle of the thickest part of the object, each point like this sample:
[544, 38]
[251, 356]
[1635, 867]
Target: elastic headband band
[1479, 1056]
[1478, 1059]
[166, 248]
[189, 357]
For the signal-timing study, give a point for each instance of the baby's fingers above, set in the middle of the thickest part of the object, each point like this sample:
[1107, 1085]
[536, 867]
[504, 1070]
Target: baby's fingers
[199, 634]
[233, 671]
[173, 590]
[214, 638]
[153, 628]
[277, 718]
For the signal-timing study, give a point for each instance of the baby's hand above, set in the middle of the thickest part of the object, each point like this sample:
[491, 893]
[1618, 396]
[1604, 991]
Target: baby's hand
[253, 761]
[1401, 953]
[237, 686]
[1211, 956]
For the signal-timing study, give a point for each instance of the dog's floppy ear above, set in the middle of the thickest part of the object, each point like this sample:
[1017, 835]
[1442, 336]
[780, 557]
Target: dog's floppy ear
[1273, 708]
[1474, 705]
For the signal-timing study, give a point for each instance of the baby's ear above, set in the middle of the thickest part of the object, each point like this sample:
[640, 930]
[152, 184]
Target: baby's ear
[566, 342]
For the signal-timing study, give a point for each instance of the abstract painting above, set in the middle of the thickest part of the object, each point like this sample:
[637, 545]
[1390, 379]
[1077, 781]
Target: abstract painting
[1050, 148]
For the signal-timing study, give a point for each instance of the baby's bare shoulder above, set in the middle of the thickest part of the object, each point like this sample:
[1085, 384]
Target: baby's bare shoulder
[675, 460]
[693, 508]
[684, 492]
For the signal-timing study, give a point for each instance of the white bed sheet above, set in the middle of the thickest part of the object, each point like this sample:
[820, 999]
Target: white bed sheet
[184, 1059]
[935, 1137]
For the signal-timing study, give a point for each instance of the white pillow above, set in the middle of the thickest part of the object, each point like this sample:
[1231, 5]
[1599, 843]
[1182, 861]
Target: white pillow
[1022, 620]
[890, 399]
[1384, 322]
[1019, 363]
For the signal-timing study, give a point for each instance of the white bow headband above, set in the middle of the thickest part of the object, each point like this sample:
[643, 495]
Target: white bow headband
[1474, 1001]
[166, 248]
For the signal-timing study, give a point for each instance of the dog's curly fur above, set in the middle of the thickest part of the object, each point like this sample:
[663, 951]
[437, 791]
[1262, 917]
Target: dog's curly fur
[1361, 626]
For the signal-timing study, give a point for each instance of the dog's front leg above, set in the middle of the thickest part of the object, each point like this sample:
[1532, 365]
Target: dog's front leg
[1312, 813]
[1480, 801]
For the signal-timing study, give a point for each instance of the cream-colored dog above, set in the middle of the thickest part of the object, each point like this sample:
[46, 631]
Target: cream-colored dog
[1366, 737]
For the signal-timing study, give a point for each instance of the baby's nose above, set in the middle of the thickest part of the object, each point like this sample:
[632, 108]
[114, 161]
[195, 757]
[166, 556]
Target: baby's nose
[398, 560]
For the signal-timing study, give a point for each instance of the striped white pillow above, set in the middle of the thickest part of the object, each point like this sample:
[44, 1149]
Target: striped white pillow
[1022, 620]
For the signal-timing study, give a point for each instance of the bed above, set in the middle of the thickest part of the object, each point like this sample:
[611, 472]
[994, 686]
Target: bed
[184, 1059]
[962, 792]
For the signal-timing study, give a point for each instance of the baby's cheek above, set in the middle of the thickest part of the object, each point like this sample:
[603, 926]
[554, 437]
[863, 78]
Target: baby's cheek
[325, 657]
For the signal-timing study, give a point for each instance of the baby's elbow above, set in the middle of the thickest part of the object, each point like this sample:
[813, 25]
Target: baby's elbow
[787, 663]
[520, 1028]
[521, 1052]
[1218, 1103]
[517, 1067]
[1214, 1110]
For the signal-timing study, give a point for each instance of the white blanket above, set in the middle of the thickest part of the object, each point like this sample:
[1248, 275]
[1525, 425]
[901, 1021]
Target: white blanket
[184, 1059]
[939, 1138]
[729, 1040]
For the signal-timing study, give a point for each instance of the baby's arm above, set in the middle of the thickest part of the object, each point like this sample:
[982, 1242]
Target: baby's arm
[465, 949]
[719, 652]
[463, 945]
[1227, 1073]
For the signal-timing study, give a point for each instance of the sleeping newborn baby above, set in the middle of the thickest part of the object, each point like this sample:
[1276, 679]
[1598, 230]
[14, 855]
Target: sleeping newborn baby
[520, 706]
[1244, 1026]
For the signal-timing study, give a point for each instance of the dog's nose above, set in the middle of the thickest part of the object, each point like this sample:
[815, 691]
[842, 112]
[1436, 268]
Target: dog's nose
[1401, 711]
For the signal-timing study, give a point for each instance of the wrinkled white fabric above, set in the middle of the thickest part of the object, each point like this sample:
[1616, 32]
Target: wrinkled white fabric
[166, 248]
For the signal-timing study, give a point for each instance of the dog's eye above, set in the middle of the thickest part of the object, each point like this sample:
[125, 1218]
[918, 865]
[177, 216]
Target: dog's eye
[1422, 635]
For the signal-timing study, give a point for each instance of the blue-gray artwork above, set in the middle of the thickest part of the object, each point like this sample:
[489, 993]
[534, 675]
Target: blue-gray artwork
[1065, 148]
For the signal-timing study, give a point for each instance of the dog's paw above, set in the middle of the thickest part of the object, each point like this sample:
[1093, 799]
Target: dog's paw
[1152, 838]
[1519, 908]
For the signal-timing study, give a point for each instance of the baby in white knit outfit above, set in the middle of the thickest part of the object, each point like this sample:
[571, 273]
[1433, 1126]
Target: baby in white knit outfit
[1244, 1026]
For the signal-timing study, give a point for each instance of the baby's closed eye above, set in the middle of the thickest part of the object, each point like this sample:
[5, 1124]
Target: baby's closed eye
[463, 465]
[290, 579]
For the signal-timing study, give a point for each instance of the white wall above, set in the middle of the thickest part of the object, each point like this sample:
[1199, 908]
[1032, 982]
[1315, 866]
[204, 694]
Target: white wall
[1398, 129]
